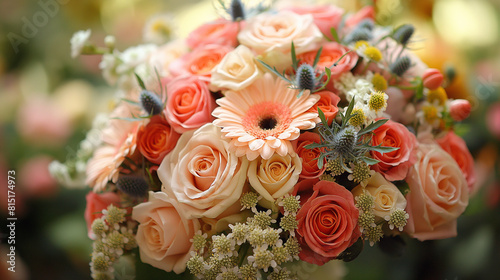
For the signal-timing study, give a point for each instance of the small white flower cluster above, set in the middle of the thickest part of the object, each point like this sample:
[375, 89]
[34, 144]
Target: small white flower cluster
[372, 229]
[252, 248]
[113, 237]
[79, 41]
[71, 173]
[369, 102]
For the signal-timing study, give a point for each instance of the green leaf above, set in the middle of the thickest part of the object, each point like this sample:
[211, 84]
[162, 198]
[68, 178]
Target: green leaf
[321, 161]
[419, 91]
[369, 161]
[352, 252]
[140, 81]
[316, 58]
[335, 35]
[322, 117]
[131, 102]
[274, 70]
[295, 64]
[348, 111]
[372, 126]
[382, 149]
[328, 72]
[339, 59]
[403, 187]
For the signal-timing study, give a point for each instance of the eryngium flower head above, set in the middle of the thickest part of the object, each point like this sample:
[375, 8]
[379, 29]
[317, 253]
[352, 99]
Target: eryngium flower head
[150, 102]
[400, 66]
[134, 186]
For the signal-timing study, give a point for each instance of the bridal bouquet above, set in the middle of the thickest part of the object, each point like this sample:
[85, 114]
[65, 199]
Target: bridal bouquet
[269, 137]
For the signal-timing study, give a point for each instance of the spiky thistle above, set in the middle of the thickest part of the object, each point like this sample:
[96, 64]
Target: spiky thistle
[344, 143]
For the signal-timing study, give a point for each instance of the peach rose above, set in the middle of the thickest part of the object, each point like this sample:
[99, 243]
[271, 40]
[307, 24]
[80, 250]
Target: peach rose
[156, 139]
[95, 204]
[161, 58]
[438, 195]
[274, 177]
[189, 104]
[236, 70]
[199, 62]
[331, 52]
[328, 104]
[328, 222]
[220, 32]
[201, 173]
[309, 157]
[457, 148]
[387, 196]
[164, 232]
[394, 165]
[276, 31]
[325, 17]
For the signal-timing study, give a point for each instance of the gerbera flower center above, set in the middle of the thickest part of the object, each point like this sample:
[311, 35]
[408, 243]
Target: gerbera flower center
[267, 119]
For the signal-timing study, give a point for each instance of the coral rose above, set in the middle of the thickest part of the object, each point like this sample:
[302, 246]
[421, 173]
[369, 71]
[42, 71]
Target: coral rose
[328, 222]
[331, 52]
[220, 32]
[201, 173]
[189, 104]
[199, 62]
[457, 148]
[438, 195]
[276, 31]
[394, 165]
[432, 78]
[274, 177]
[164, 232]
[236, 70]
[386, 195]
[95, 204]
[325, 17]
[328, 104]
[309, 157]
[156, 139]
[460, 109]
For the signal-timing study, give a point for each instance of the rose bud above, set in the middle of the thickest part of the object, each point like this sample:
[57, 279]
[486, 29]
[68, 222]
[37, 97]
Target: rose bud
[460, 109]
[433, 78]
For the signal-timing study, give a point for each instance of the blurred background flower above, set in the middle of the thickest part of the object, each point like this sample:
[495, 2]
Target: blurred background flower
[48, 101]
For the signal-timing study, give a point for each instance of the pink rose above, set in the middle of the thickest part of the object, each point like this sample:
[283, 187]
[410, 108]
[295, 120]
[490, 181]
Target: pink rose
[220, 32]
[189, 104]
[325, 17]
[438, 195]
[164, 232]
[202, 174]
[394, 165]
[457, 148]
[331, 52]
[328, 104]
[95, 204]
[309, 157]
[493, 119]
[200, 61]
[328, 222]
[367, 12]
[460, 109]
[432, 78]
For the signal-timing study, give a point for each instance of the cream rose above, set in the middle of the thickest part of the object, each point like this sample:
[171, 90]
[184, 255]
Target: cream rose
[276, 31]
[438, 194]
[164, 232]
[201, 173]
[276, 176]
[236, 70]
[386, 195]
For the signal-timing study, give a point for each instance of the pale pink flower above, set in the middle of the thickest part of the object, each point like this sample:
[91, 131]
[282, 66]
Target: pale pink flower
[119, 141]
[263, 118]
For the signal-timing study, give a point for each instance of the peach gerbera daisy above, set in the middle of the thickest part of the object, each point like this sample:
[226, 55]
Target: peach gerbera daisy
[262, 118]
[118, 142]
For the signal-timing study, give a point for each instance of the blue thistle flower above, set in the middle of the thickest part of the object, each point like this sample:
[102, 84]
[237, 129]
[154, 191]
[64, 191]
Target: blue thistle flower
[367, 23]
[358, 34]
[237, 10]
[345, 141]
[404, 33]
[150, 102]
[400, 66]
[306, 77]
[134, 186]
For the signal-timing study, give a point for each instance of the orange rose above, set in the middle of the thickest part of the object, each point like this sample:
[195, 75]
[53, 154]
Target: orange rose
[220, 32]
[438, 194]
[325, 17]
[156, 139]
[199, 62]
[331, 52]
[189, 104]
[394, 165]
[328, 104]
[328, 221]
[309, 157]
[456, 147]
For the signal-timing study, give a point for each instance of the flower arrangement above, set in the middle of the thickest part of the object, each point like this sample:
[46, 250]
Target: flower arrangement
[269, 137]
